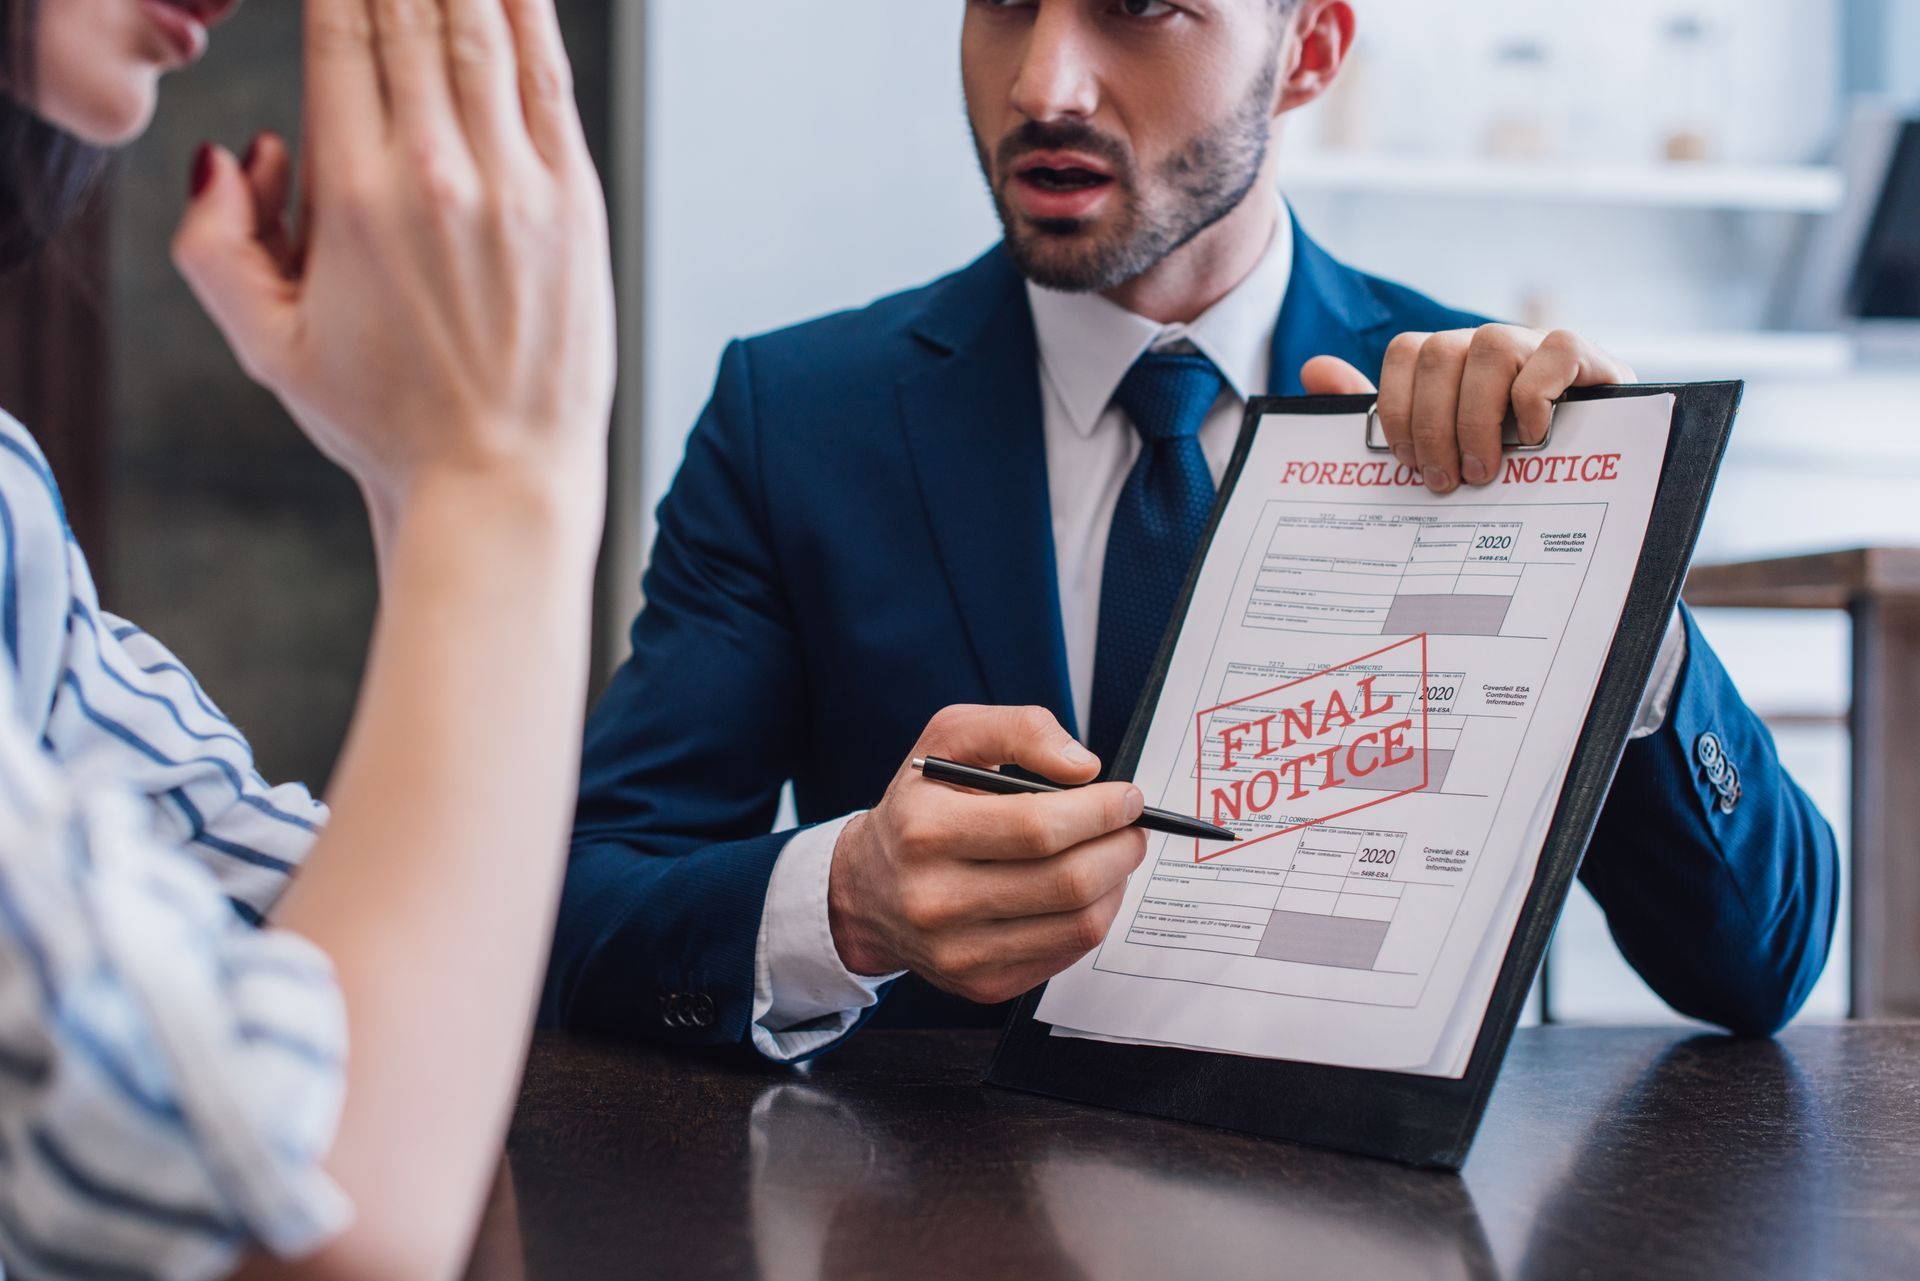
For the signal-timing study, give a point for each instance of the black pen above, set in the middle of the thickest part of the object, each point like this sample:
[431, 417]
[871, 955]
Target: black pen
[992, 780]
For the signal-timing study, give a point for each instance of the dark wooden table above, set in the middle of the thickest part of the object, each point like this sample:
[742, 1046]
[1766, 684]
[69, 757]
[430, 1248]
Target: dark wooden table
[1879, 588]
[1606, 1153]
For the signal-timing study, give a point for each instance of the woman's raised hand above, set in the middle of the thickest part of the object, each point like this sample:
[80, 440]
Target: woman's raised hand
[446, 298]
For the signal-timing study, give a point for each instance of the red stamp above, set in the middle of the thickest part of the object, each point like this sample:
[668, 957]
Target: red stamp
[1315, 749]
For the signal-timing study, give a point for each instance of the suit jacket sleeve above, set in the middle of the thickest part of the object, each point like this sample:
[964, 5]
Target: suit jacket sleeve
[1727, 915]
[684, 761]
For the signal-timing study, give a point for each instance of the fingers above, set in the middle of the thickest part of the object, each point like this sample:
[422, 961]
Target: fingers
[1563, 360]
[1030, 827]
[480, 49]
[546, 82]
[1332, 376]
[343, 82]
[1436, 409]
[1073, 879]
[268, 168]
[410, 40]
[1495, 355]
[1029, 737]
[999, 960]
[1444, 398]
[231, 271]
[1396, 395]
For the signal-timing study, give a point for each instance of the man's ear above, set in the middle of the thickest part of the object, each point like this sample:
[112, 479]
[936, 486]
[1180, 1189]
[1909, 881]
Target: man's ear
[1315, 48]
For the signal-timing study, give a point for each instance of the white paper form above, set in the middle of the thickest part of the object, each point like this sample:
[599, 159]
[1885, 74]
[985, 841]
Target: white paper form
[1380, 690]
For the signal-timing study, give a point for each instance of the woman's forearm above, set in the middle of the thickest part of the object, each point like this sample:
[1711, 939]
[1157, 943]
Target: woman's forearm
[433, 888]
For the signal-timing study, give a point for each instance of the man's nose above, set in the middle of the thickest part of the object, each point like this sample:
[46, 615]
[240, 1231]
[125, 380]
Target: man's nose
[1057, 75]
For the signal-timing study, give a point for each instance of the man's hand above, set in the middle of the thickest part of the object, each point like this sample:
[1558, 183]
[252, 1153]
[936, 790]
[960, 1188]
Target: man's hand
[1444, 397]
[985, 896]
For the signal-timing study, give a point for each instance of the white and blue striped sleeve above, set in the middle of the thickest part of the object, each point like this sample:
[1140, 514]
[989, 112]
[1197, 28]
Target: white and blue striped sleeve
[96, 689]
[127, 704]
[170, 1076]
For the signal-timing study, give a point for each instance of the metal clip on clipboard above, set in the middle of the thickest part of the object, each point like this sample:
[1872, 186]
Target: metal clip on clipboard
[1509, 432]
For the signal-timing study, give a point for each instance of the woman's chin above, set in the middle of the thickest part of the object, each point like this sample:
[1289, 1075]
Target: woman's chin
[109, 115]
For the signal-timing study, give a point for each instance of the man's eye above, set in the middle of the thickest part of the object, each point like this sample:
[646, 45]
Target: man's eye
[1146, 8]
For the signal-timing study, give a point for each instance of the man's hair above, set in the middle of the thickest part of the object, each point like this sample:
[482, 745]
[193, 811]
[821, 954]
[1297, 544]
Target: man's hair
[44, 173]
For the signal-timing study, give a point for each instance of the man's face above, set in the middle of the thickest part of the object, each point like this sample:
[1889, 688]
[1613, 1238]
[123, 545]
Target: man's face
[1112, 132]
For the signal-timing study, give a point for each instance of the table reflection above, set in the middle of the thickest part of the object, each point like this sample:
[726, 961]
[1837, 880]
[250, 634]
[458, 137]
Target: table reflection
[833, 1194]
[1733, 1159]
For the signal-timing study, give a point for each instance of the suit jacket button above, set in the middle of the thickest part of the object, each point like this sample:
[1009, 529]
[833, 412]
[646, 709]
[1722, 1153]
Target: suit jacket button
[1722, 775]
[702, 1010]
[1708, 749]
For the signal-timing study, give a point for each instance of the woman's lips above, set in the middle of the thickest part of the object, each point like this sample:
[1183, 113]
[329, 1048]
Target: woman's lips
[183, 24]
[184, 33]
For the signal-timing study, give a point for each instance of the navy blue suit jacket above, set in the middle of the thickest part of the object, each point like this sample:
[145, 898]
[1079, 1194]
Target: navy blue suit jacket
[860, 535]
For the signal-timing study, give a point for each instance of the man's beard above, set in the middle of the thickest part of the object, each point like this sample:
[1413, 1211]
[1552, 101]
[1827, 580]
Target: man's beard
[1199, 185]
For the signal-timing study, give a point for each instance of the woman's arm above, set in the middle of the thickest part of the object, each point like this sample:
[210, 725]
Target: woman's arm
[433, 888]
[444, 331]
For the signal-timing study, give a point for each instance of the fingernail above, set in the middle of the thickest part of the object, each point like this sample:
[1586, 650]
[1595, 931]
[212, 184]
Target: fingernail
[1078, 755]
[1438, 479]
[253, 151]
[1474, 470]
[1136, 803]
[202, 170]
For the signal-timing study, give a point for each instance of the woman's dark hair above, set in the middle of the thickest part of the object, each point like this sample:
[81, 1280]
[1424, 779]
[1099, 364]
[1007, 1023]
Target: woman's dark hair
[44, 174]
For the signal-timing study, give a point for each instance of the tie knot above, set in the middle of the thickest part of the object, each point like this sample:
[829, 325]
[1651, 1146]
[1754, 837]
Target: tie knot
[1167, 395]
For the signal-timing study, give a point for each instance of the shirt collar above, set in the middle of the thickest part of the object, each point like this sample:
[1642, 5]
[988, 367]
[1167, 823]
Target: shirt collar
[1088, 343]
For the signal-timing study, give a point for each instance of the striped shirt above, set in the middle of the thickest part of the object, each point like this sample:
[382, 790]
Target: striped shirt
[171, 1071]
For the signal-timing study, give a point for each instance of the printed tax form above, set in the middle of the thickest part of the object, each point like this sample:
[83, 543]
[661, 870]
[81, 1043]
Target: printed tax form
[1380, 690]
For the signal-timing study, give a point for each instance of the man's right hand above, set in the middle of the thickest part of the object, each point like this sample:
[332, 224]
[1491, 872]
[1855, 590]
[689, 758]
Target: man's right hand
[985, 896]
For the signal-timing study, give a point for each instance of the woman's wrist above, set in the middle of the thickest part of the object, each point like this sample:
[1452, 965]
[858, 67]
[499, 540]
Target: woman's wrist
[547, 506]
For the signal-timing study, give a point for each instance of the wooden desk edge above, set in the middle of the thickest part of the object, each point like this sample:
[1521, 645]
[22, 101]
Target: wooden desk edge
[1821, 580]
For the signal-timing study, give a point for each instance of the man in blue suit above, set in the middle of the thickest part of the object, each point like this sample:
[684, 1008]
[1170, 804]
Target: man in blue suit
[954, 523]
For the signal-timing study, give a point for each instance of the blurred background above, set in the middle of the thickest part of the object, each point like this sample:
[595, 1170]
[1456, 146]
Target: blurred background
[1691, 181]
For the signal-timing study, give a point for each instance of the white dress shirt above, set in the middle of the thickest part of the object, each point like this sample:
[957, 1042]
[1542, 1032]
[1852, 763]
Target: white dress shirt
[804, 998]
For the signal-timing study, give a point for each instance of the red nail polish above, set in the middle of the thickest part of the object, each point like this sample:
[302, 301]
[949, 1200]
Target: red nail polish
[202, 170]
[252, 153]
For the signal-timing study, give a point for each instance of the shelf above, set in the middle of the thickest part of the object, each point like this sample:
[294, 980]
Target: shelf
[1805, 189]
[1750, 355]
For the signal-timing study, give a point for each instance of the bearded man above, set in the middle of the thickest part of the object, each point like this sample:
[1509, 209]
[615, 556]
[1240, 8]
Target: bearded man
[956, 523]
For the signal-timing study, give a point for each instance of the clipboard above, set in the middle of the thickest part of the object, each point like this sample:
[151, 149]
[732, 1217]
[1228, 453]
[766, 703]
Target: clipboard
[1413, 1119]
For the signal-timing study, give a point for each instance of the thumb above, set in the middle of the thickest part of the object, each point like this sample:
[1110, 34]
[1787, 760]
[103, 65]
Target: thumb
[1332, 376]
[230, 270]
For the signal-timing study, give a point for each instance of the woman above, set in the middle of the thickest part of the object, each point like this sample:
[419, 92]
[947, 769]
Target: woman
[200, 1073]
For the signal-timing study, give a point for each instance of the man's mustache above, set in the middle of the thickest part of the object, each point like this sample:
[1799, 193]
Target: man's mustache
[1064, 135]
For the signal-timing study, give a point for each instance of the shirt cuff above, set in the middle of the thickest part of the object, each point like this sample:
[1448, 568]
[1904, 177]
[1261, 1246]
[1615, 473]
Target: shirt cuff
[804, 997]
[1666, 677]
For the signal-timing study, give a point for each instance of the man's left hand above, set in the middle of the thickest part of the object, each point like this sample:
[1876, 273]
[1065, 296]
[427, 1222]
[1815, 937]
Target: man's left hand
[1444, 397]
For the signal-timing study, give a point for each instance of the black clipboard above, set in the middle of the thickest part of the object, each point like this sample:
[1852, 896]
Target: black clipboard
[1417, 1120]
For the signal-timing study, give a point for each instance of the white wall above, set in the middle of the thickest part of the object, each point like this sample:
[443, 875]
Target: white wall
[800, 159]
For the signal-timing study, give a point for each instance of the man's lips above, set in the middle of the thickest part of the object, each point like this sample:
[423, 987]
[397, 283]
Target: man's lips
[1060, 184]
[1063, 168]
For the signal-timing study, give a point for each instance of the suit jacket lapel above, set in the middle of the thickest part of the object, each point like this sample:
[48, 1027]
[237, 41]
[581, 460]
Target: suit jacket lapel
[974, 430]
[1329, 311]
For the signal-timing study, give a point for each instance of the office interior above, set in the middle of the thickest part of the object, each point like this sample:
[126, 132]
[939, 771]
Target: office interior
[1689, 181]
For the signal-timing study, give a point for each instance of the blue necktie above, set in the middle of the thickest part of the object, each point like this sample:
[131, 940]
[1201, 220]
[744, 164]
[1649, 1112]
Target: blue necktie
[1156, 528]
